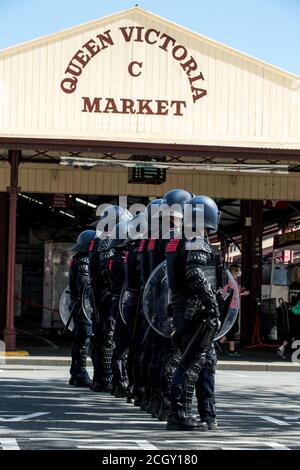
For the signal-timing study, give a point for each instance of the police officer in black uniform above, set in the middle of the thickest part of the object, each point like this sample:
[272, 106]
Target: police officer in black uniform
[164, 357]
[196, 319]
[116, 276]
[78, 278]
[141, 326]
[103, 322]
[131, 305]
[152, 255]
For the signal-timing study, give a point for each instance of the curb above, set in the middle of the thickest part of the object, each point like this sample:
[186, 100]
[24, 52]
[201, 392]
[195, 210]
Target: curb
[258, 366]
[222, 365]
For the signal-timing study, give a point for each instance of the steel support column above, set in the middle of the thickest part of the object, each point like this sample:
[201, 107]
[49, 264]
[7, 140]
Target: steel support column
[3, 258]
[10, 332]
[251, 230]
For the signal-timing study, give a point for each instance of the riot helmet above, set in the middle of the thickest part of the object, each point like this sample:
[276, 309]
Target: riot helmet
[109, 217]
[119, 234]
[138, 227]
[175, 199]
[83, 241]
[212, 214]
[155, 210]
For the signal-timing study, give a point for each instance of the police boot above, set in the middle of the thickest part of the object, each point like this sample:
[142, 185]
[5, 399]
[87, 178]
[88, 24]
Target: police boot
[138, 393]
[145, 401]
[130, 396]
[164, 409]
[103, 383]
[182, 392]
[156, 405]
[212, 423]
[82, 378]
[100, 387]
[120, 391]
[180, 419]
[73, 370]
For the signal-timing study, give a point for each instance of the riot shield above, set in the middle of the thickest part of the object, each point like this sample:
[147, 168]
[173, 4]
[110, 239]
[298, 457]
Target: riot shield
[122, 301]
[128, 304]
[156, 301]
[65, 309]
[87, 302]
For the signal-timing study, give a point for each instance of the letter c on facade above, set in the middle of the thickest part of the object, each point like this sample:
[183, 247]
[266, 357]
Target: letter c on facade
[131, 71]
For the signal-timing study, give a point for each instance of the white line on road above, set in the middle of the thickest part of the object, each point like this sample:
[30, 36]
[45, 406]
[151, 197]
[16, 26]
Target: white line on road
[9, 444]
[274, 420]
[108, 432]
[24, 417]
[140, 444]
[277, 446]
[123, 447]
[86, 421]
[137, 418]
[240, 448]
[107, 413]
[216, 441]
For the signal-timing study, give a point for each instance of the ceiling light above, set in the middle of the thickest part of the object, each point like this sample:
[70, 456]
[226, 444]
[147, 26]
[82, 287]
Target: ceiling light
[85, 203]
[67, 214]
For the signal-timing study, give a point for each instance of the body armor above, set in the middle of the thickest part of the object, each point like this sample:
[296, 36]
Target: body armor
[196, 313]
[78, 279]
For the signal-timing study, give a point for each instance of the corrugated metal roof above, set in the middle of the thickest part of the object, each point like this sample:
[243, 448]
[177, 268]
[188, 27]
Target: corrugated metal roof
[246, 103]
[115, 16]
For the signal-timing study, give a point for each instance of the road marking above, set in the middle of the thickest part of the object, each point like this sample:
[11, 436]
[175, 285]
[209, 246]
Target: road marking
[123, 447]
[101, 421]
[217, 441]
[87, 413]
[140, 444]
[111, 431]
[24, 417]
[9, 444]
[274, 420]
[277, 446]
[125, 418]
[240, 448]
[105, 421]
[273, 445]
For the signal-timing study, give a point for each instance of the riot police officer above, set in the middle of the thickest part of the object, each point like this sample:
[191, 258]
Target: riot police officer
[103, 321]
[162, 351]
[131, 306]
[78, 278]
[116, 275]
[195, 314]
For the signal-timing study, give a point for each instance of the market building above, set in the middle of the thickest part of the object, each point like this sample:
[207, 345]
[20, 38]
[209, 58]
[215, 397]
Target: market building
[133, 104]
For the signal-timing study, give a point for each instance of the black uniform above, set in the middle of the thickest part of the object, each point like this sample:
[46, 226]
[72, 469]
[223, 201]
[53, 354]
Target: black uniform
[141, 326]
[164, 356]
[103, 323]
[195, 314]
[131, 307]
[78, 278]
[116, 278]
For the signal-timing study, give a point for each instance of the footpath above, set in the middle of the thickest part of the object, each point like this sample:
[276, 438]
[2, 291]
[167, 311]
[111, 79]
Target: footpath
[39, 351]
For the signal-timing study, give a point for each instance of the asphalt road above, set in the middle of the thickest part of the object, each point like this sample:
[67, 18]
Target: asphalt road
[39, 410]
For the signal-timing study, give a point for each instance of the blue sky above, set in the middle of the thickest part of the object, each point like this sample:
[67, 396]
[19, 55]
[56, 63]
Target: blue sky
[266, 29]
